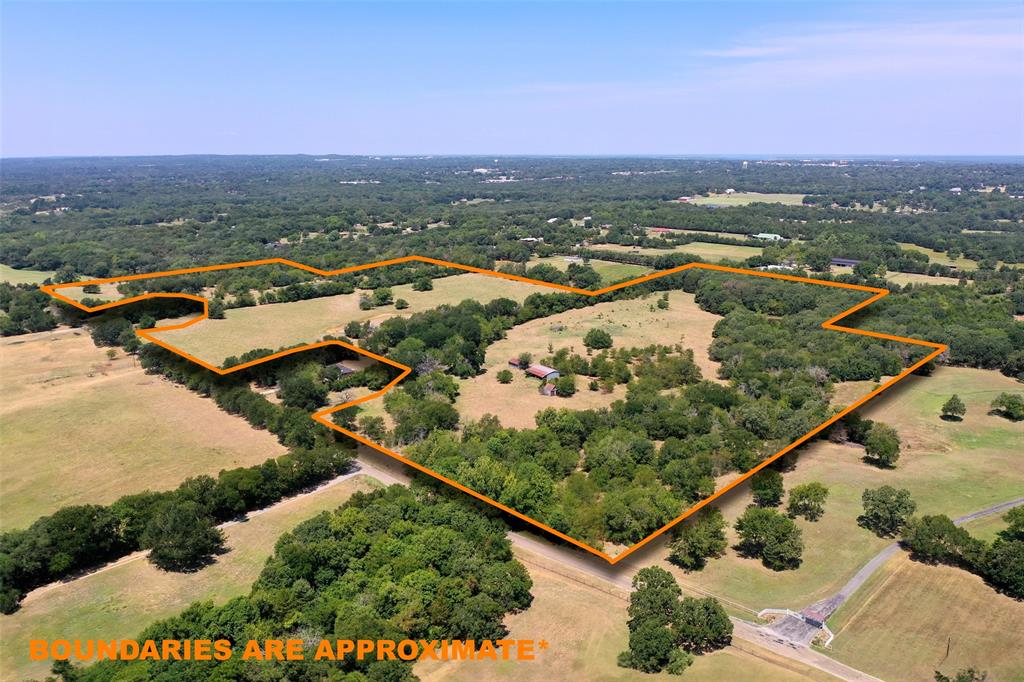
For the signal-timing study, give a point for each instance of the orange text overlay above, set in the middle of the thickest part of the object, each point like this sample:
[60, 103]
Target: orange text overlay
[285, 649]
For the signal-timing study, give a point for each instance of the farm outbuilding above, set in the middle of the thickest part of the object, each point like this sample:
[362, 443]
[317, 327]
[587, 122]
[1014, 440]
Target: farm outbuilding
[542, 372]
[849, 262]
[549, 390]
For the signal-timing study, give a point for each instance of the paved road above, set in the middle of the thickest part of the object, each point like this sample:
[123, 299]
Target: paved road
[569, 560]
[826, 607]
[527, 548]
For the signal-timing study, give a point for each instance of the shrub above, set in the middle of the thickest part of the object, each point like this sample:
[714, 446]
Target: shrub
[597, 339]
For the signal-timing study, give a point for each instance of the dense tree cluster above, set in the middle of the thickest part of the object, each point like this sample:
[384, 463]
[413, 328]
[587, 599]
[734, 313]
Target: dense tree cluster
[665, 629]
[886, 510]
[698, 539]
[1009, 405]
[594, 474]
[773, 538]
[393, 564]
[937, 539]
[26, 310]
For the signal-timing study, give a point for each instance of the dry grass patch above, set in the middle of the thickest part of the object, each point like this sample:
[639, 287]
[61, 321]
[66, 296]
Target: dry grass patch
[610, 271]
[940, 257]
[124, 600]
[78, 428]
[631, 324]
[744, 198]
[286, 324]
[707, 250]
[16, 276]
[904, 278]
[913, 619]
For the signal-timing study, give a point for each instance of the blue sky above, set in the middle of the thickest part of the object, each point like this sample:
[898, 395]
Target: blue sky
[460, 78]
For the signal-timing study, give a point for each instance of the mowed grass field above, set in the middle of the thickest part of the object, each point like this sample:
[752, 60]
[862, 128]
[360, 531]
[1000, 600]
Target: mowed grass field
[15, 276]
[911, 619]
[285, 324]
[108, 292]
[901, 278]
[79, 428]
[904, 278]
[631, 323]
[744, 198]
[610, 271]
[585, 628]
[651, 232]
[122, 601]
[707, 250]
[940, 257]
[951, 468]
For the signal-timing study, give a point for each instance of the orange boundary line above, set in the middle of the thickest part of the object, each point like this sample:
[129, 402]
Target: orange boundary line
[321, 416]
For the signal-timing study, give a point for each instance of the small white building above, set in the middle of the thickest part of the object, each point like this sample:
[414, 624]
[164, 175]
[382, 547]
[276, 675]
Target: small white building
[768, 236]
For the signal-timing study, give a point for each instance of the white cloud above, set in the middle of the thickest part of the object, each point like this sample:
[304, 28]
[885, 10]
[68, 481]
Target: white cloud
[937, 51]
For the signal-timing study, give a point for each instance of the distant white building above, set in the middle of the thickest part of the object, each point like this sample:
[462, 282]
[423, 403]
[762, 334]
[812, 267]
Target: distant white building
[955, 190]
[552, 220]
[768, 236]
[730, 191]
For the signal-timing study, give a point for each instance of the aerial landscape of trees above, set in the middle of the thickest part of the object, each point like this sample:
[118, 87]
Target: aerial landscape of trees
[397, 563]
[424, 562]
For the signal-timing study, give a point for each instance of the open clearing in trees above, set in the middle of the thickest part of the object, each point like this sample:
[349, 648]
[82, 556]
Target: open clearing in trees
[114, 430]
[708, 251]
[744, 198]
[17, 276]
[609, 271]
[630, 322]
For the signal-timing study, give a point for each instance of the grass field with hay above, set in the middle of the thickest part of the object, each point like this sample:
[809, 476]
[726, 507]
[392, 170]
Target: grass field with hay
[610, 271]
[122, 601]
[16, 276]
[706, 250]
[904, 278]
[79, 427]
[744, 198]
[912, 619]
[941, 258]
[285, 324]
